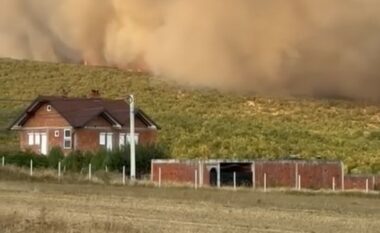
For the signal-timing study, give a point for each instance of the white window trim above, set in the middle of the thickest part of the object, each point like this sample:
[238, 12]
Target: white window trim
[65, 138]
[37, 138]
[30, 139]
[126, 140]
[103, 139]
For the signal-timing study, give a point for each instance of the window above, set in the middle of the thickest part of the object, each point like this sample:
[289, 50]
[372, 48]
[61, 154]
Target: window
[105, 139]
[56, 133]
[48, 108]
[34, 138]
[37, 138]
[31, 139]
[67, 139]
[124, 139]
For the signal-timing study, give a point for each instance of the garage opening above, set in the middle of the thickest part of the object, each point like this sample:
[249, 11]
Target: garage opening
[243, 174]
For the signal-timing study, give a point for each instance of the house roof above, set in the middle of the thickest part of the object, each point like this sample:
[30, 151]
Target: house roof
[79, 111]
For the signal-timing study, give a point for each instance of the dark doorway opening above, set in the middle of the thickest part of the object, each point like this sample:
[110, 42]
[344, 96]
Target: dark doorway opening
[243, 173]
[213, 177]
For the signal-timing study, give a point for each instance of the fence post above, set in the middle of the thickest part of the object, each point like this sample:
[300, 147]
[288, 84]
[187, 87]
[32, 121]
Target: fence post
[123, 175]
[342, 173]
[151, 170]
[373, 183]
[299, 183]
[59, 170]
[31, 167]
[196, 179]
[3, 161]
[333, 183]
[159, 177]
[366, 186]
[200, 169]
[265, 182]
[106, 169]
[253, 175]
[235, 181]
[89, 172]
[296, 176]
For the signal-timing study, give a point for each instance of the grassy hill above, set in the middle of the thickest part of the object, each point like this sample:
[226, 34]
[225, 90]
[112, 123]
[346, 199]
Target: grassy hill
[207, 123]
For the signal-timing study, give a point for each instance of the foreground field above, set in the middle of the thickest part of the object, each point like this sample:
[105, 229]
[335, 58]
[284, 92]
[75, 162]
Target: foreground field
[51, 207]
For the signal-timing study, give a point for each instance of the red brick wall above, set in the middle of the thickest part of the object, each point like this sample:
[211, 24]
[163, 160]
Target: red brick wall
[359, 182]
[314, 175]
[279, 174]
[320, 175]
[178, 173]
[86, 140]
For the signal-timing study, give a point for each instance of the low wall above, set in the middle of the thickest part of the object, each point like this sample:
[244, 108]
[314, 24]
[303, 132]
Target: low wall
[282, 173]
[174, 171]
[361, 182]
[288, 173]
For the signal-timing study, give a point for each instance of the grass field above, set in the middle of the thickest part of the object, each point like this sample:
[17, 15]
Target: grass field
[44, 205]
[208, 123]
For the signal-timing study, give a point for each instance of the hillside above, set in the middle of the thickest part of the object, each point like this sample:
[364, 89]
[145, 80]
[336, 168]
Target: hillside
[207, 123]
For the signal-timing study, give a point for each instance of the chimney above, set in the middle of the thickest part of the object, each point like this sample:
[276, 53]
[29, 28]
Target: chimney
[94, 93]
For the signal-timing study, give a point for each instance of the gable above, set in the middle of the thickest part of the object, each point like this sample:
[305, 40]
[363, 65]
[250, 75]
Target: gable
[98, 121]
[44, 118]
[80, 112]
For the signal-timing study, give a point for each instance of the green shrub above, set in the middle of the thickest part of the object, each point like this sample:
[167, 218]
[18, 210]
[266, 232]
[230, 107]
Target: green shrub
[98, 160]
[144, 156]
[74, 161]
[23, 158]
[55, 156]
[115, 160]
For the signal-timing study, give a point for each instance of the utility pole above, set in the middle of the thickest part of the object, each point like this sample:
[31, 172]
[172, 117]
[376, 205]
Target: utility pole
[132, 136]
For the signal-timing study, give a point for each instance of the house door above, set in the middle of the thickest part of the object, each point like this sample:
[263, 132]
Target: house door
[44, 144]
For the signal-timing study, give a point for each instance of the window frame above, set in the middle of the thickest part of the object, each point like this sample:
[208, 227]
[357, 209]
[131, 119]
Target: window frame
[67, 139]
[104, 142]
[126, 139]
[31, 138]
[37, 138]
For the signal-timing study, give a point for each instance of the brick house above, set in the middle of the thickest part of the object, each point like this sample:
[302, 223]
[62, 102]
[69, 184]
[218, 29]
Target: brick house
[85, 124]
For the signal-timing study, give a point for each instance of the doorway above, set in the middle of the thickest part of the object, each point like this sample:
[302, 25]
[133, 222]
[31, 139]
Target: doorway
[44, 144]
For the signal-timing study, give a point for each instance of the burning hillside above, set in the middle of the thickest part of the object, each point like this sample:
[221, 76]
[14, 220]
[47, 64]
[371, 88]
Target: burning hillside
[283, 47]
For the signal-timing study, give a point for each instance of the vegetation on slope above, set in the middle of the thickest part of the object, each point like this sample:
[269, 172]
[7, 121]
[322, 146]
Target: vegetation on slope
[207, 123]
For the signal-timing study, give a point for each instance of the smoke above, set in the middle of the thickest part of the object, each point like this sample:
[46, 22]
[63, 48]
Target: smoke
[284, 47]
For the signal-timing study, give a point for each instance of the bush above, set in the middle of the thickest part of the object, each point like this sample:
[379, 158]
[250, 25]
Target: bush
[144, 156]
[98, 160]
[22, 159]
[74, 161]
[55, 156]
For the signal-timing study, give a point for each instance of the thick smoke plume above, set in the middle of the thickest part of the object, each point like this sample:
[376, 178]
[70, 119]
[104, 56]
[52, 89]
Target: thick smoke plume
[297, 47]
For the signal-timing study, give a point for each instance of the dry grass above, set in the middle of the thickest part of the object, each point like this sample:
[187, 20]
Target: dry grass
[47, 206]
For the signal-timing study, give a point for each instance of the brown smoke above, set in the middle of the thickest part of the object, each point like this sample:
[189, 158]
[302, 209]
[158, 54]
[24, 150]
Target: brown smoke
[298, 47]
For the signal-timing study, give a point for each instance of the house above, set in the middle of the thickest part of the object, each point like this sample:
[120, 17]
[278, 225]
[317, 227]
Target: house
[85, 124]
